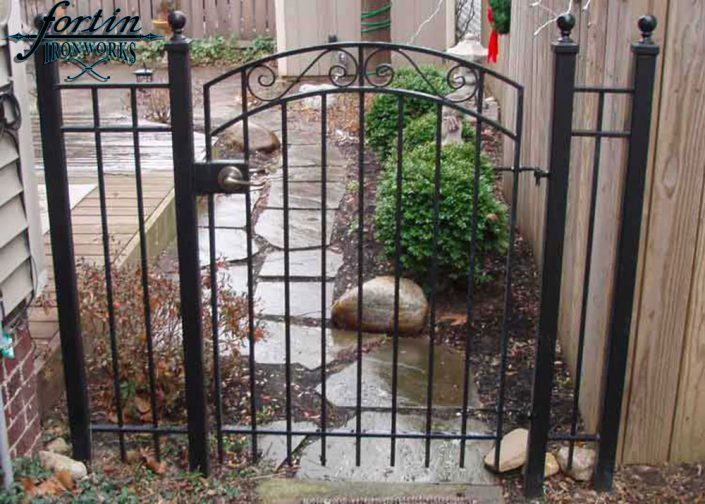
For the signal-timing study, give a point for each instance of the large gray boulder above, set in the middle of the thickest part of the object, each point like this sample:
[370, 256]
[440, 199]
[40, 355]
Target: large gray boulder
[378, 307]
[261, 139]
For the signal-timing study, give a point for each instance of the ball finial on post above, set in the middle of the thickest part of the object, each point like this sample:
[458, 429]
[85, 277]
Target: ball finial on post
[647, 25]
[566, 23]
[177, 21]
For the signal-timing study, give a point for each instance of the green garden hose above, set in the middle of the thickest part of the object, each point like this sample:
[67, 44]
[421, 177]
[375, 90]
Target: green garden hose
[371, 26]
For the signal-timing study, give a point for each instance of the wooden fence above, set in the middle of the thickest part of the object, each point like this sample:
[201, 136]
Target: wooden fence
[664, 402]
[245, 19]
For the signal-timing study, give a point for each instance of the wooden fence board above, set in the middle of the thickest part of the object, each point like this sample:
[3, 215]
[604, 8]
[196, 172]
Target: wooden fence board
[674, 225]
[664, 409]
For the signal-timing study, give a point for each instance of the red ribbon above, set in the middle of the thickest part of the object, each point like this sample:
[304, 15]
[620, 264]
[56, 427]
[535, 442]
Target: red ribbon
[493, 46]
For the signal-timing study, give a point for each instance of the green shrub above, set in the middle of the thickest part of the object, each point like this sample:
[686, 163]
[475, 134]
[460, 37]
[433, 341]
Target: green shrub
[422, 130]
[215, 50]
[381, 120]
[455, 212]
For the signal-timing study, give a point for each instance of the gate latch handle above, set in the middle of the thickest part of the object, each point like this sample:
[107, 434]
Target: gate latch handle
[230, 179]
[223, 176]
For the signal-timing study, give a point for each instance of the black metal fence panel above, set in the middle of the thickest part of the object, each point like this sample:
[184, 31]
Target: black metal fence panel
[194, 180]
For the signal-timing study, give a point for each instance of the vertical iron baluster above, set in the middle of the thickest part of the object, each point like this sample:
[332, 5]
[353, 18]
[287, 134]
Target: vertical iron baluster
[644, 57]
[250, 273]
[360, 251]
[108, 269]
[215, 329]
[508, 301]
[287, 290]
[324, 209]
[586, 277]
[473, 261]
[145, 272]
[181, 103]
[62, 251]
[397, 273]
[434, 282]
[565, 55]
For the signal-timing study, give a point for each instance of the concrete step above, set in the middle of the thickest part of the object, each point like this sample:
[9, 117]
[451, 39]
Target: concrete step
[293, 491]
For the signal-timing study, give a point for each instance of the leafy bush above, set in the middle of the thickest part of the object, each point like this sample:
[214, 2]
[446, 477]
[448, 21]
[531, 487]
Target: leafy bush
[422, 131]
[215, 50]
[131, 338]
[381, 120]
[455, 215]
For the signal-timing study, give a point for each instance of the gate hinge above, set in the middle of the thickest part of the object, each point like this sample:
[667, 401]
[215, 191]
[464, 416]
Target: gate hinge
[229, 176]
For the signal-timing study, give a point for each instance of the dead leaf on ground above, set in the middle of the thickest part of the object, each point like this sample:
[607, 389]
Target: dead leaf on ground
[65, 479]
[49, 487]
[455, 319]
[154, 466]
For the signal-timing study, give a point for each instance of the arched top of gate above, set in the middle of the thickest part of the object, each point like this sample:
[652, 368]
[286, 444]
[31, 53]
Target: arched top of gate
[261, 80]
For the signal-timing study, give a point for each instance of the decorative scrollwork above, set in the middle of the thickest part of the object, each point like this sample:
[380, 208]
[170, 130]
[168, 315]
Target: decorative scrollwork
[341, 74]
[463, 79]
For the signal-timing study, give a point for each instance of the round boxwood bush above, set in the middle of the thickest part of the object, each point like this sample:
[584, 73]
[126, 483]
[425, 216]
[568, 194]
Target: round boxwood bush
[455, 213]
[381, 120]
[422, 130]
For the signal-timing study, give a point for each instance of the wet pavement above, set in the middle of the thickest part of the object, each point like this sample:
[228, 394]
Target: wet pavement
[375, 465]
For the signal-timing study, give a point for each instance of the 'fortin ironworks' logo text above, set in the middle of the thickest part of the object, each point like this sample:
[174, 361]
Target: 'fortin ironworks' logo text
[85, 41]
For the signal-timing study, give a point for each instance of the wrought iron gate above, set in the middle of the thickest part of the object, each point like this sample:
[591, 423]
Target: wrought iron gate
[209, 177]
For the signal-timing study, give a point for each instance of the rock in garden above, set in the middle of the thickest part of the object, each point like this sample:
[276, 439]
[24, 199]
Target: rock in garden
[512, 453]
[378, 307]
[58, 445]
[56, 462]
[583, 462]
[261, 139]
[551, 466]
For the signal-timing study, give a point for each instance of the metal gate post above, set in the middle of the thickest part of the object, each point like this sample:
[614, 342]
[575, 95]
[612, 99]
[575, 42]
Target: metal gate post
[565, 55]
[62, 251]
[179, 53]
[644, 76]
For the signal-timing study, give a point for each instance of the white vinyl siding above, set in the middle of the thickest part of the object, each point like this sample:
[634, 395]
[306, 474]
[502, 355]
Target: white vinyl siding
[21, 243]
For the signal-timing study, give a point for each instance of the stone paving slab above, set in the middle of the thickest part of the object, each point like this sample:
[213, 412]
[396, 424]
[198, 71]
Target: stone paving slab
[311, 155]
[302, 263]
[305, 299]
[304, 228]
[305, 344]
[310, 173]
[279, 490]
[230, 245]
[233, 277]
[412, 375]
[305, 194]
[273, 446]
[230, 210]
[409, 467]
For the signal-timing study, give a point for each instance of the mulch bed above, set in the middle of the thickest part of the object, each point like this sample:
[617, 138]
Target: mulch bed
[485, 331]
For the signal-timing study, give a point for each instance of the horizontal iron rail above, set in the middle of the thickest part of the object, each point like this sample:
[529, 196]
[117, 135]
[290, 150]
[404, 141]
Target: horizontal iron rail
[576, 437]
[115, 129]
[231, 430]
[601, 134]
[114, 85]
[603, 90]
[366, 89]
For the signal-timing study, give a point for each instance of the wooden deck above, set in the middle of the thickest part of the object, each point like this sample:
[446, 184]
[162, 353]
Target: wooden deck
[123, 227]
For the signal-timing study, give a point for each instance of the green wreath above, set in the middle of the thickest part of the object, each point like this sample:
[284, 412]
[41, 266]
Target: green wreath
[502, 13]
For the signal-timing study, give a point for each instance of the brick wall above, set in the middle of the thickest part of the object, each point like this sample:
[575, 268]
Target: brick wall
[19, 393]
